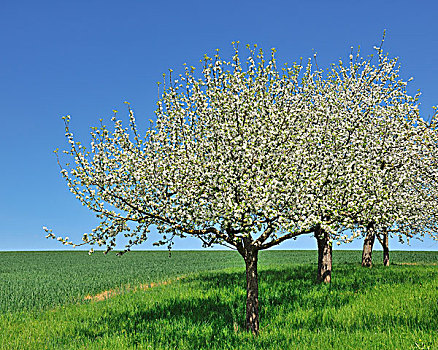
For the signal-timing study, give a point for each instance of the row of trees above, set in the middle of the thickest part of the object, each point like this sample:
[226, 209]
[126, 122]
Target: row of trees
[248, 155]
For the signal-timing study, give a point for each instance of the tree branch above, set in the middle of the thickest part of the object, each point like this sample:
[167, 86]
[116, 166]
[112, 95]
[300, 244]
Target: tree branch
[285, 237]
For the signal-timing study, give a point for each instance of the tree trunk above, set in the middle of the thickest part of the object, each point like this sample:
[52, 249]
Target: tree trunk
[368, 246]
[324, 256]
[252, 291]
[385, 245]
[250, 254]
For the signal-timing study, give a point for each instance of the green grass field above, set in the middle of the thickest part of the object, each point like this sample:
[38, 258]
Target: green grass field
[42, 302]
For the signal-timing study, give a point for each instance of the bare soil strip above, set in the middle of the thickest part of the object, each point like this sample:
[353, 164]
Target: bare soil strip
[415, 264]
[113, 292]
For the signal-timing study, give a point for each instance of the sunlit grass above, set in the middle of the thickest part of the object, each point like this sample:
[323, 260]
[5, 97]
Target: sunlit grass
[378, 308]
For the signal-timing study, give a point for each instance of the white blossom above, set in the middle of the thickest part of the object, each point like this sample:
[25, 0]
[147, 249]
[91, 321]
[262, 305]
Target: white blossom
[261, 153]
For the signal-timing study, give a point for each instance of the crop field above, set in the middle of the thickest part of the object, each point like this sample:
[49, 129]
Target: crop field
[196, 300]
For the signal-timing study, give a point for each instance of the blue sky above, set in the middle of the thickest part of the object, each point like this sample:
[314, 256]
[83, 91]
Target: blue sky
[84, 58]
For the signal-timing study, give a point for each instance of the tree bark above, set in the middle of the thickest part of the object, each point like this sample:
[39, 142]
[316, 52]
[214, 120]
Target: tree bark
[324, 256]
[250, 255]
[252, 292]
[368, 243]
[385, 246]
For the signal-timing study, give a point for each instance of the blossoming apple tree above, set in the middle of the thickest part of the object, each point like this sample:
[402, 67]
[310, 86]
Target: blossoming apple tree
[366, 146]
[411, 198]
[228, 161]
[372, 175]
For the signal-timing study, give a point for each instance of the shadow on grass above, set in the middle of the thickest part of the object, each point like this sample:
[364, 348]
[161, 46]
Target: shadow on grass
[216, 309]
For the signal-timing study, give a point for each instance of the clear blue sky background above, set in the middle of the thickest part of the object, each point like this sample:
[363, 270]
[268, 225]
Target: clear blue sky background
[85, 58]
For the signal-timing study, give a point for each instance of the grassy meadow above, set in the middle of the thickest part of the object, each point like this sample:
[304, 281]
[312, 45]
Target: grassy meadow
[196, 300]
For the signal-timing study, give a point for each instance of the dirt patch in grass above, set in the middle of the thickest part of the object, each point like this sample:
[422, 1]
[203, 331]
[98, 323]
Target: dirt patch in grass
[415, 264]
[113, 292]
